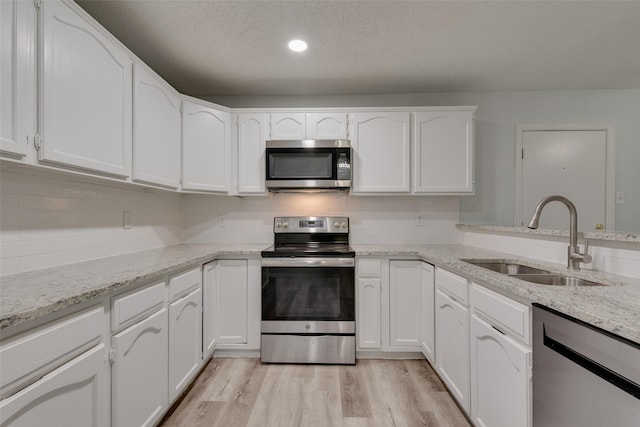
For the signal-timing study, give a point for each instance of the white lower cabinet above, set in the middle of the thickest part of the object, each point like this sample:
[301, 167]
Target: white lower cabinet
[452, 342]
[74, 395]
[139, 372]
[428, 312]
[231, 307]
[209, 291]
[405, 300]
[185, 341]
[500, 380]
[369, 317]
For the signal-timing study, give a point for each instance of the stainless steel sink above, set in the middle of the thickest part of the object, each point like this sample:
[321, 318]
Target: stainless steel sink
[531, 274]
[507, 267]
[555, 280]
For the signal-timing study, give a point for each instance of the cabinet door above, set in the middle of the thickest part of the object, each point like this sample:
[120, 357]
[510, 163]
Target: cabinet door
[86, 93]
[452, 342]
[443, 152]
[75, 394]
[251, 153]
[288, 126]
[500, 382]
[327, 125]
[405, 300]
[209, 291]
[17, 77]
[381, 152]
[232, 301]
[185, 341]
[156, 131]
[428, 313]
[206, 148]
[139, 372]
[369, 316]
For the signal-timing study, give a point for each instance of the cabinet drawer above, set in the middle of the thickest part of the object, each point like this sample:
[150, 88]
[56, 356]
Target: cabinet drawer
[28, 357]
[182, 283]
[509, 316]
[369, 267]
[133, 305]
[453, 285]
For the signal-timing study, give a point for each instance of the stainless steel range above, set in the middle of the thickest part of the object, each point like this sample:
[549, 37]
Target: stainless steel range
[308, 292]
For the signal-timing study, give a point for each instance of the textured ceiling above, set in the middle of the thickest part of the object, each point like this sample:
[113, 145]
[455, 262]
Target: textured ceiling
[372, 47]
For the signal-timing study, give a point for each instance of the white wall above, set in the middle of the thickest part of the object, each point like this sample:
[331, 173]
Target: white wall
[496, 119]
[50, 219]
[389, 219]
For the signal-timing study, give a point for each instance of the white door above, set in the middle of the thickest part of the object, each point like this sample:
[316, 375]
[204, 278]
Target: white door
[206, 148]
[405, 303]
[369, 316]
[288, 126]
[569, 163]
[452, 342]
[74, 395]
[86, 94]
[156, 130]
[443, 152]
[500, 383]
[17, 77]
[185, 341]
[251, 132]
[327, 125]
[139, 372]
[428, 313]
[209, 291]
[381, 151]
[232, 301]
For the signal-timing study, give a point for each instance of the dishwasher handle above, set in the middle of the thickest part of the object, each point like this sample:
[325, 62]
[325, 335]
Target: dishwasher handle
[596, 368]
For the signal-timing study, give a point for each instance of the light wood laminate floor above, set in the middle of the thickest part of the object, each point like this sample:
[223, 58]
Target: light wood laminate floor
[373, 393]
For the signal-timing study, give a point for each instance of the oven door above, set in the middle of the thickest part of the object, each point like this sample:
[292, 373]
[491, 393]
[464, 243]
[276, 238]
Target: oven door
[308, 295]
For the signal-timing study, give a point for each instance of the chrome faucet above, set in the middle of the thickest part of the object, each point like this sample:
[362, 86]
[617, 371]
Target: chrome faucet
[574, 257]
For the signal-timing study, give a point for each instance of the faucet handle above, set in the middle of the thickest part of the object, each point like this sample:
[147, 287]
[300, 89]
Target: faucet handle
[586, 258]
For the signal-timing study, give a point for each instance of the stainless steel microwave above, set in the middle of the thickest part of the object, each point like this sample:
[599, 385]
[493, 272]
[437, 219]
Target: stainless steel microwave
[309, 164]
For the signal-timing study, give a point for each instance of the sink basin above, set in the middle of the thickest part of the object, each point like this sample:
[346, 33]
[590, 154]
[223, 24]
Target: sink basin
[531, 274]
[555, 280]
[506, 267]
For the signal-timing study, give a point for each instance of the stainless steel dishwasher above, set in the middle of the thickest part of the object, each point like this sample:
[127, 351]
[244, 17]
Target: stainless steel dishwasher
[582, 376]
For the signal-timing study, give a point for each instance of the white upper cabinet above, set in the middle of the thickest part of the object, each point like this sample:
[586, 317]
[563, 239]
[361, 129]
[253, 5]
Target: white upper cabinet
[86, 93]
[251, 137]
[156, 130]
[381, 151]
[318, 125]
[327, 126]
[288, 126]
[443, 152]
[206, 148]
[17, 77]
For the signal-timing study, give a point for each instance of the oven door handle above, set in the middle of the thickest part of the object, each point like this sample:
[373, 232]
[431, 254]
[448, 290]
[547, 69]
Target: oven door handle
[308, 262]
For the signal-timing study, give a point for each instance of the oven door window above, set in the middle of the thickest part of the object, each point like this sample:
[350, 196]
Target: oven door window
[301, 164]
[308, 293]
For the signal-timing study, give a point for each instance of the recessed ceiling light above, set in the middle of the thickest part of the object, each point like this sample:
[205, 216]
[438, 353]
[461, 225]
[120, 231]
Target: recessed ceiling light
[298, 45]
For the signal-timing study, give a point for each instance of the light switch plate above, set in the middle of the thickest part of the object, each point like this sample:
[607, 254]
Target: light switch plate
[619, 197]
[126, 220]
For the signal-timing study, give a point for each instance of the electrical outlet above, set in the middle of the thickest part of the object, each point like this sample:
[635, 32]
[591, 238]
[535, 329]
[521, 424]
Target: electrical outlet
[419, 220]
[126, 220]
[619, 197]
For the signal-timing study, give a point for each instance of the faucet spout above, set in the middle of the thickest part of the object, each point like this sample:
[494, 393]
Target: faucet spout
[574, 257]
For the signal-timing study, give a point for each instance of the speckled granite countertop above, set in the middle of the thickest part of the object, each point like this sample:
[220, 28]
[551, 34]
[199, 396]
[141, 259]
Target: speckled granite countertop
[614, 308]
[27, 296]
[617, 236]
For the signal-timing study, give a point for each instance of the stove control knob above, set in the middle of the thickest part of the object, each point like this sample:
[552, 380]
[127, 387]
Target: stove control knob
[344, 225]
[278, 225]
[336, 224]
[285, 225]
